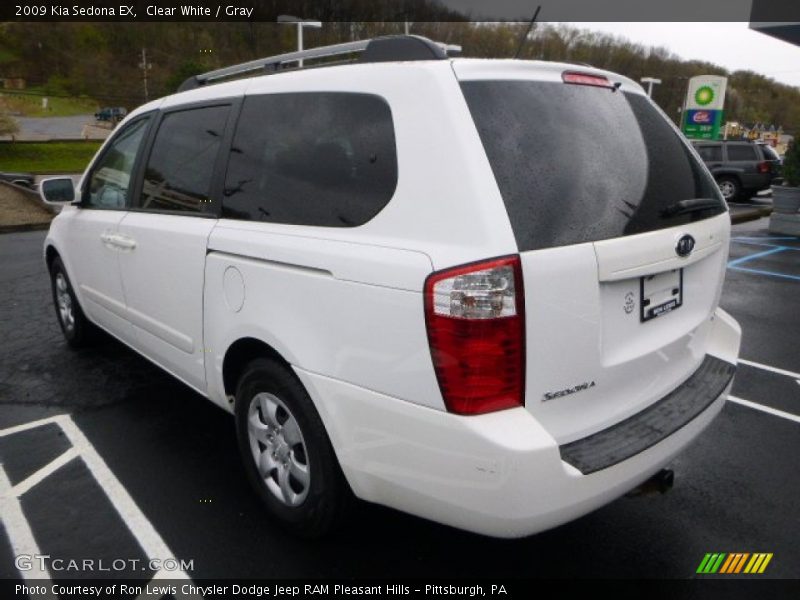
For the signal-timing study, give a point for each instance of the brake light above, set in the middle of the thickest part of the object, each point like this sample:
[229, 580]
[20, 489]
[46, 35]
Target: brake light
[475, 316]
[763, 167]
[586, 79]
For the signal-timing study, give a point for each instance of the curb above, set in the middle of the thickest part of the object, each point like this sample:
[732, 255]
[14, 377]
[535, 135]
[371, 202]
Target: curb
[750, 215]
[23, 227]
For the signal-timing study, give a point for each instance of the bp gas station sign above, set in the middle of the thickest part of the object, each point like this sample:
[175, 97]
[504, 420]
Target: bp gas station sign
[702, 118]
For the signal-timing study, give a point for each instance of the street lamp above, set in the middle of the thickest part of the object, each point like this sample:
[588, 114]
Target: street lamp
[650, 81]
[301, 23]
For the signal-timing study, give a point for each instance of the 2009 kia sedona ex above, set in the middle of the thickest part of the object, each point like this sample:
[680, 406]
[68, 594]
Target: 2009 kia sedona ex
[484, 292]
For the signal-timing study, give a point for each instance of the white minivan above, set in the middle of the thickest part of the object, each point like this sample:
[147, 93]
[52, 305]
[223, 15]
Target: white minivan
[484, 292]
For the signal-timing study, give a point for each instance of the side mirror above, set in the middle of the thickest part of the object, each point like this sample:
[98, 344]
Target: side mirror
[57, 190]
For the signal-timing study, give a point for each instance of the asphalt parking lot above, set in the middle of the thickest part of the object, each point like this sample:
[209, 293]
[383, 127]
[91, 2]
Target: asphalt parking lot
[105, 456]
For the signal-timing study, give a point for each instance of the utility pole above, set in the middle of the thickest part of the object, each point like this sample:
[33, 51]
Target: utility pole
[145, 66]
[300, 23]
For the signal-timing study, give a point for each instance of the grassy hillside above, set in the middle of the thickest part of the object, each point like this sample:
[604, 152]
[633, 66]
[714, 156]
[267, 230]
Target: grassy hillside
[29, 104]
[47, 157]
[101, 60]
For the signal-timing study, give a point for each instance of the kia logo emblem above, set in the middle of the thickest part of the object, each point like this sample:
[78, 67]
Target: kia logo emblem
[685, 246]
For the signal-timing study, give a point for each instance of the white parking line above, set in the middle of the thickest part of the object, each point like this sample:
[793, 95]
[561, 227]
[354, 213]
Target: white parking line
[764, 367]
[30, 425]
[767, 409]
[19, 530]
[48, 469]
[19, 533]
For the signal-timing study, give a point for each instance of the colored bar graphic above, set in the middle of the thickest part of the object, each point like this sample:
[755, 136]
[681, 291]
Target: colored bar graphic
[734, 563]
[711, 562]
[741, 562]
[703, 564]
[755, 562]
[728, 564]
[764, 564]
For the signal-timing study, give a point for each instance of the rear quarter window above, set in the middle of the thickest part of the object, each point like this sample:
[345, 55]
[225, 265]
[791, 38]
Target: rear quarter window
[576, 163]
[769, 153]
[742, 152]
[312, 158]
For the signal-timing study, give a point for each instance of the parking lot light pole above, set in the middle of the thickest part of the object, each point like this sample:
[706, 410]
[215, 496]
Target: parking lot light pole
[301, 23]
[650, 81]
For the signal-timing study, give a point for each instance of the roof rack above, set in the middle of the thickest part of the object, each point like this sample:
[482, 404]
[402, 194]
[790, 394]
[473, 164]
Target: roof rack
[381, 49]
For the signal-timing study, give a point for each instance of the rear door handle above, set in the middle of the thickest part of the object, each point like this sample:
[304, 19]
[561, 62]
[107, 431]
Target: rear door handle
[124, 242]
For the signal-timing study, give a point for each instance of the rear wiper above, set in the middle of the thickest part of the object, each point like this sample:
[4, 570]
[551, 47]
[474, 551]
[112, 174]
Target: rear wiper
[683, 207]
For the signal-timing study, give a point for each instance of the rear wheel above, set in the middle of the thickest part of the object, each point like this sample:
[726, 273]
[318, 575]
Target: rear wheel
[286, 451]
[730, 188]
[77, 329]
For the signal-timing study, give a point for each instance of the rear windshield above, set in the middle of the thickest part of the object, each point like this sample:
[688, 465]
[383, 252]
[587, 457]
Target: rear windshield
[769, 153]
[576, 163]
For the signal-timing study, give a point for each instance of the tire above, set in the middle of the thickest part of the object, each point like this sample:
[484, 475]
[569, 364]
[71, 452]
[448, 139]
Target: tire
[730, 187]
[287, 455]
[77, 329]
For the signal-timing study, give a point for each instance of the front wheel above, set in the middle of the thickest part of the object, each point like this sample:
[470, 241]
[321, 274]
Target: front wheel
[286, 451]
[77, 329]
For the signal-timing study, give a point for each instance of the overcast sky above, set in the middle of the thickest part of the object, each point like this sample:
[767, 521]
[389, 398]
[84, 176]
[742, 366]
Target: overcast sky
[731, 45]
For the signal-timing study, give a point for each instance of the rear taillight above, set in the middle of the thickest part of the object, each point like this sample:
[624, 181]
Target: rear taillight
[763, 167]
[475, 315]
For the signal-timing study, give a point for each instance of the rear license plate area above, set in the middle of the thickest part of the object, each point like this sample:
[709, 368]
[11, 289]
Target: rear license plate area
[660, 294]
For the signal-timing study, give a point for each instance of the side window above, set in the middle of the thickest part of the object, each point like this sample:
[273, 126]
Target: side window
[710, 153]
[741, 152]
[181, 164]
[325, 158]
[110, 181]
[769, 152]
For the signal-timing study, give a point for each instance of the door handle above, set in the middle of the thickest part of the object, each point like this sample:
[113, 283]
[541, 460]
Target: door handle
[124, 242]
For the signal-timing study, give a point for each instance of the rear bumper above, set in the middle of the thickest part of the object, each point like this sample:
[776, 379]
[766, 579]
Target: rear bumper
[758, 182]
[658, 421]
[500, 474]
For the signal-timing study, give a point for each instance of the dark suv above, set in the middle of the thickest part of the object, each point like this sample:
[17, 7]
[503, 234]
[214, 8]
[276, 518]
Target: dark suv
[742, 169]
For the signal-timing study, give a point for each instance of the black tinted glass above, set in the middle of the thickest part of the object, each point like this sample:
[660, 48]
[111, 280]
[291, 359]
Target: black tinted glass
[311, 159]
[769, 152]
[741, 152]
[710, 153]
[110, 182]
[576, 163]
[181, 164]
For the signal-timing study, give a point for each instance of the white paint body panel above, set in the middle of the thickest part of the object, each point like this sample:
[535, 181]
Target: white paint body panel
[93, 264]
[163, 278]
[578, 330]
[498, 474]
[344, 307]
[311, 311]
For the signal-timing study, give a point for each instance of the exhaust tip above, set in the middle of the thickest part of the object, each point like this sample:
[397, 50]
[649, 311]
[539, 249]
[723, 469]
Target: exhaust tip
[660, 483]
